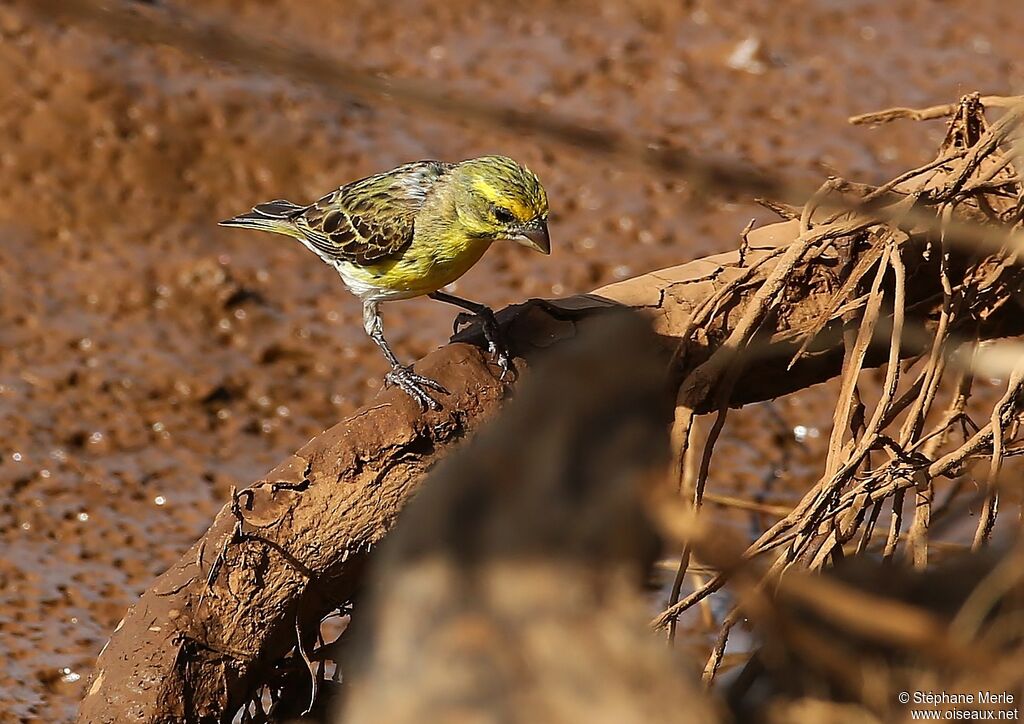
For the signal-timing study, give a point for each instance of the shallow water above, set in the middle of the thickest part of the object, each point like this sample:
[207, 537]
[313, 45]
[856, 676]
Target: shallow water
[150, 360]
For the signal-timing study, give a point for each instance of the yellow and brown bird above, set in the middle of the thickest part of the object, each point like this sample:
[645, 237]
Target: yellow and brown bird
[411, 231]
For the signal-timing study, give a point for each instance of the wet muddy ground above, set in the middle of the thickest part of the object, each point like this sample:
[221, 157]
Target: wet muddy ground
[149, 360]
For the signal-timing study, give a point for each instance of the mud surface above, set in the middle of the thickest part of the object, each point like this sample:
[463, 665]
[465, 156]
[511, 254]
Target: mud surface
[150, 360]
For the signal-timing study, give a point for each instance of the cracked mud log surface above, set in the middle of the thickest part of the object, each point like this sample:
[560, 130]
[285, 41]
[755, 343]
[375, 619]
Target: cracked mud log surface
[293, 546]
[302, 535]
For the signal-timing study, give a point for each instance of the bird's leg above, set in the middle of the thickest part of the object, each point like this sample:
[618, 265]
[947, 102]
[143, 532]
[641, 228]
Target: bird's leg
[412, 384]
[489, 324]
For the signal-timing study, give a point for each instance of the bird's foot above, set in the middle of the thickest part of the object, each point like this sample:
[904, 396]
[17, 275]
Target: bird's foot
[416, 386]
[495, 341]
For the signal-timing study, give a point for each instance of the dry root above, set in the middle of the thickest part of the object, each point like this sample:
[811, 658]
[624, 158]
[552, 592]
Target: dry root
[890, 459]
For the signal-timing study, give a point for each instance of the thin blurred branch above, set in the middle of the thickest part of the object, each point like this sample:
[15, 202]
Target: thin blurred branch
[932, 112]
[293, 59]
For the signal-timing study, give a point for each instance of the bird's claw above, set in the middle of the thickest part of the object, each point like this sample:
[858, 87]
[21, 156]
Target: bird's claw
[503, 359]
[461, 320]
[416, 386]
[497, 349]
[495, 345]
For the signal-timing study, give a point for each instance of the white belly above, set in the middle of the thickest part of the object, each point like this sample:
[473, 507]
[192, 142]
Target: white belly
[357, 284]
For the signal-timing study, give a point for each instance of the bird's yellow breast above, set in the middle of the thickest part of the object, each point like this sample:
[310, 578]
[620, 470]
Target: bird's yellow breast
[424, 266]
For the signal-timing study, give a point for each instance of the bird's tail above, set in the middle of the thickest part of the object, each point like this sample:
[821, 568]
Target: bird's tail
[274, 216]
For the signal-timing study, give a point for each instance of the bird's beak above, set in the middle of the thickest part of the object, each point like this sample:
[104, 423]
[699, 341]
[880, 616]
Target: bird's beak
[535, 237]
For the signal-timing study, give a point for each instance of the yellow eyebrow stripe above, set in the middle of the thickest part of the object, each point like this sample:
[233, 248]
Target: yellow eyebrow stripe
[520, 210]
[486, 190]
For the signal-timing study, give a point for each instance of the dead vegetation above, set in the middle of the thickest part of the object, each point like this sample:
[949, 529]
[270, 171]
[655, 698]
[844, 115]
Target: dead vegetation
[901, 444]
[911, 456]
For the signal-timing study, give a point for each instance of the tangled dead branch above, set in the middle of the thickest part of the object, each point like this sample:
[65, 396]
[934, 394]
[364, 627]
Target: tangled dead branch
[904, 443]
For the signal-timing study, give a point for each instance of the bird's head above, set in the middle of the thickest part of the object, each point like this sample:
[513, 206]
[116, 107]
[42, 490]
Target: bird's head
[498, 198]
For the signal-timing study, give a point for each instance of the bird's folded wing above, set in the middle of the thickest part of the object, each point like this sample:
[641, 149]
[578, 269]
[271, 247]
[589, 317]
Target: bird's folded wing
[338, 233]
[371, 219]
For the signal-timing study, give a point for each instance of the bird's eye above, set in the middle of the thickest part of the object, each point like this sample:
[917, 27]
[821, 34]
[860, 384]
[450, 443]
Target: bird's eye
[503, 216]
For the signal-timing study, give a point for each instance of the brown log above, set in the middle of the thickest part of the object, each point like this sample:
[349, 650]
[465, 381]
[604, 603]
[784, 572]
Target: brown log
[293, 546]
